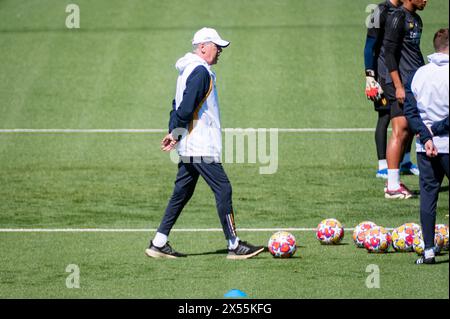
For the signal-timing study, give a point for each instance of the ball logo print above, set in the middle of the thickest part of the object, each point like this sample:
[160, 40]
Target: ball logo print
[282, 244]
[330, 231]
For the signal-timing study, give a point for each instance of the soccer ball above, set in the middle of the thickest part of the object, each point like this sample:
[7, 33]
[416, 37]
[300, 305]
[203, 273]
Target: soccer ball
[415, 226]
[441, 236]
[418, 243]
[358, 233]
[330, 231]
[403, 237]
[377, 240]
[282, 244]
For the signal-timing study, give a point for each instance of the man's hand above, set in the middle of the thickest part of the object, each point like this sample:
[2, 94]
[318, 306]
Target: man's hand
[400, 94]
[168, 143]
[373, 88]
[430, 149]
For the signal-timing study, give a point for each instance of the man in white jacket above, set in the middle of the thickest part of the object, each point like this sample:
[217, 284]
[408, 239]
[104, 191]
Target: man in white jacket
[427, 110]
[195, 131]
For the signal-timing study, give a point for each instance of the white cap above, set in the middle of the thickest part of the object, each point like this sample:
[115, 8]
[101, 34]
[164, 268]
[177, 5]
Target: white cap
[209, 35]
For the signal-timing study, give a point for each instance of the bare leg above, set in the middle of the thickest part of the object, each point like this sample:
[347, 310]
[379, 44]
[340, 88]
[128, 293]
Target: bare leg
[395, 150]
[397, 142]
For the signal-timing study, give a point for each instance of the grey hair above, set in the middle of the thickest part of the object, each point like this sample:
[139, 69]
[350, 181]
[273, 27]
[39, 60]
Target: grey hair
[195, 46]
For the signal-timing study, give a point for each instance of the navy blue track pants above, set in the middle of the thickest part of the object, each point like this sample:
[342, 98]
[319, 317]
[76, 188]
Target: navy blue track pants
[432, 171]
[186, 180]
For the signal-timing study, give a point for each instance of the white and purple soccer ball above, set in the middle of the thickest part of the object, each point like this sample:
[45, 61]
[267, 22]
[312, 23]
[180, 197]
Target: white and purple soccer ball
[330, 231]
[359, 232]
[282, 244]
[403, 237]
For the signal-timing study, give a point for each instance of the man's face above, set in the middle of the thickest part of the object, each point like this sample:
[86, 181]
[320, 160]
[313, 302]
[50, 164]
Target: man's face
[419, 4]
[211, 52]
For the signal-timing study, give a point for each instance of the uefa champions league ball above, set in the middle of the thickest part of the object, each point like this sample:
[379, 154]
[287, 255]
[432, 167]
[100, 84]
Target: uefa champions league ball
[358, 232]
[329, 231]
[403, 237]
[441, 236]
[282, 244]
[377, 240]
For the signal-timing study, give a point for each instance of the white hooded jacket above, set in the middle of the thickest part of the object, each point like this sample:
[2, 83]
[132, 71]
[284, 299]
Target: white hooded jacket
[204, 137]
[430, 86]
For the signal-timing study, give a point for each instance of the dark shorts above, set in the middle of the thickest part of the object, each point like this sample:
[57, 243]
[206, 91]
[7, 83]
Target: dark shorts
[389, 103]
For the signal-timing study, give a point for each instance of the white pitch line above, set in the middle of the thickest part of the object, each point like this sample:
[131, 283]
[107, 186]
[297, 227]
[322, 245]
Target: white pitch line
[128, 131]
[326, 130]
[139, 230]
[26, 130]
[134, 230]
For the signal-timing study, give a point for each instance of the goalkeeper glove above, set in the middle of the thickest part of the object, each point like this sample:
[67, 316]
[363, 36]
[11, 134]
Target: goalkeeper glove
[373, 88]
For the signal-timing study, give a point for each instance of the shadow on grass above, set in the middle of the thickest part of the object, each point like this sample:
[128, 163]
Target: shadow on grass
[442, 253]
[225, 251]
[384, 252]
[217, 252]
[443, 189]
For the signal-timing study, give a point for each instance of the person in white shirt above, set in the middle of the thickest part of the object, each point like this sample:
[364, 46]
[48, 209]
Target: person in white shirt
[195, 131]
[427, 110]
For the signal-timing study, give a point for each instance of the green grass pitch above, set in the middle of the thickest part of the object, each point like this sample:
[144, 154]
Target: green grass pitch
[291, 64]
